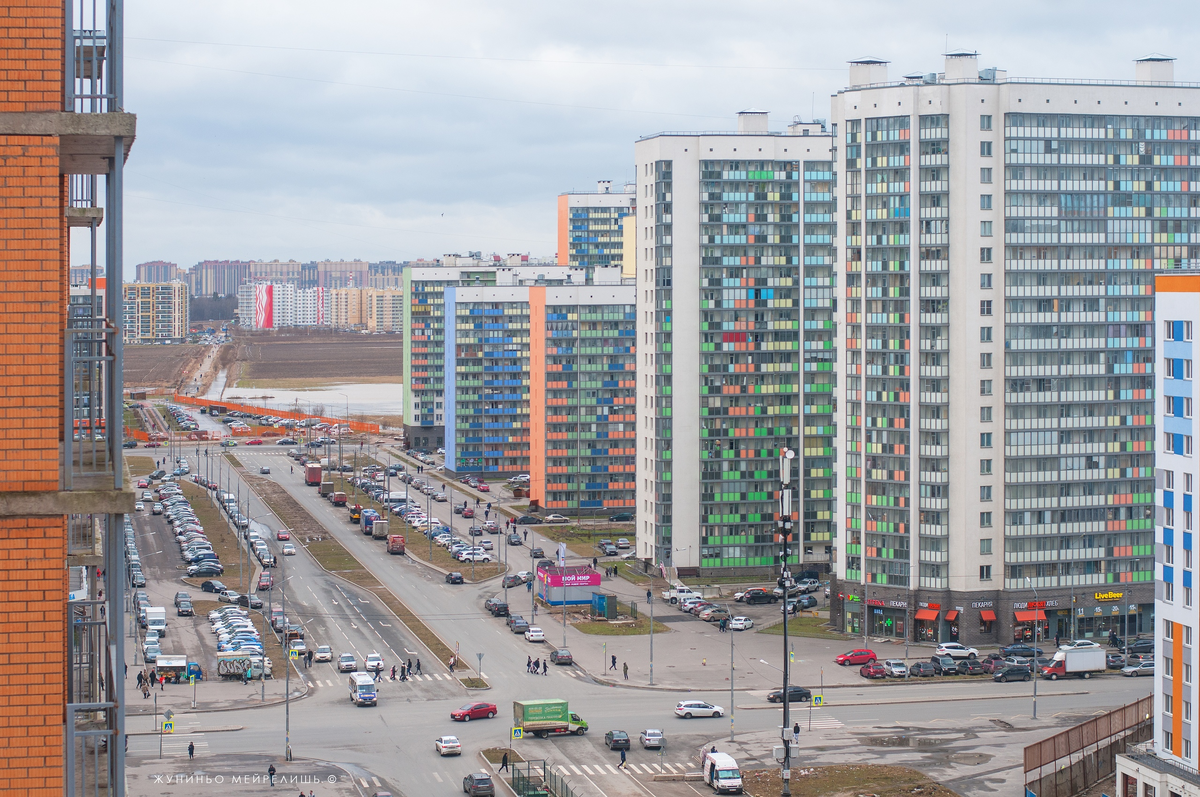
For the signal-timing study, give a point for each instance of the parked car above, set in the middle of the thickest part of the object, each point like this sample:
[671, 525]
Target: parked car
[528, 520]
[993, 662]
[621, 517]
[921, 669]
[858, 656]
[651, 738]
[1020, 649]
[957, 651]
[1078, 643]
[556, 519]
[534, 634]
[1013, 672]
[1139, 646]
[944, 665]
[740, 624]
[561, 656]
[1139, 669]
[872, 670]
[970, 667]
[796, 694]
[616, 740]
[896, 668]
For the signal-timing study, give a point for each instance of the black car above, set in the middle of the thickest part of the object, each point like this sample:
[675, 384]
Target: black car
[250, 601]
[1020, 649]
[759, 596]
[1139, 646]
[1013, 672]
[970, 667]
[184, 609]
[536, 553]
[213, 586]
[528, 520]
[514, 539]
[512, 580]
[498, 609]
[182, 596]
[454, 578]
[922, 669]
[944, 665]
[621, 517]
[616, 740]
[517, 624]
[476, 785]
[129, 444]
[796, 694]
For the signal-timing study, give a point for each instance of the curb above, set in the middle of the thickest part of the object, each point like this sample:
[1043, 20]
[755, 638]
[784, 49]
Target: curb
[802, 706]
[490, 768]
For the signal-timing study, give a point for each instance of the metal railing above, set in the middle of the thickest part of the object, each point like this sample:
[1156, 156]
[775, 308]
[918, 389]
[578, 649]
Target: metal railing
[538, 779]
[91, 705]
[92, 75]
[89, 431]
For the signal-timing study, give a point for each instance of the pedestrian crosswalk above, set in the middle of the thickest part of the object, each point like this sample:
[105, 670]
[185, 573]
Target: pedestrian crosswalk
[412, 680]
[655, 767]
[172, 744]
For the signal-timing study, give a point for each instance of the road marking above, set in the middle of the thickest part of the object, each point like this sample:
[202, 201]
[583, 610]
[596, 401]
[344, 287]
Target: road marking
[439, 777]
[577, 772]
[670, 767]
[375, 782]
[363, 781]
[585, 769]
[610, 766]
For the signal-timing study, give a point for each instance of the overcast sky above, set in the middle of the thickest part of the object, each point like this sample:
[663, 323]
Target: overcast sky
[391, 131]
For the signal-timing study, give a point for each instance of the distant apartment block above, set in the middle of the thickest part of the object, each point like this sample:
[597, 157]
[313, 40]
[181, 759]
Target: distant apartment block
[157, 271]
[735, 253]
[424, 324]
[590, 231]
[273, 305]
[367, 309]
[541, 381]
[155, 313]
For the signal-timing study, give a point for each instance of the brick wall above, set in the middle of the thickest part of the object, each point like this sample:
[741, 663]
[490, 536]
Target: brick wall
[33, 287]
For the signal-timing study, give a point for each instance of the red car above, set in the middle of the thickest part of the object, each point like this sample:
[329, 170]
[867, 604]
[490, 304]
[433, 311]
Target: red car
[483, 488]
[872, 670]
[143, 484]
[265, 581]
[474, 711]
[860, 656]
[153, 444]
[283, 534]
[468, 512]
[254, 442]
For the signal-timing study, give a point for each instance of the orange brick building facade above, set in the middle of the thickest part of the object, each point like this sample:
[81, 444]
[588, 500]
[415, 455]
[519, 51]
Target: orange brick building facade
[33, 290]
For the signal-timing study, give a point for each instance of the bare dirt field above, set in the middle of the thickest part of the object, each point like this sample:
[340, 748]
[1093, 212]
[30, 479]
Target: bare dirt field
[306, 359]
[160, 366]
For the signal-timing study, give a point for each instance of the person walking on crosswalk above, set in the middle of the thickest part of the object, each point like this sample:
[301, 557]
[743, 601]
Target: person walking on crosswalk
[622, 764]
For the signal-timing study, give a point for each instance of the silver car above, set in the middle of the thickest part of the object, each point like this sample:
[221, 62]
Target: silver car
[896, 668]
[651, 739]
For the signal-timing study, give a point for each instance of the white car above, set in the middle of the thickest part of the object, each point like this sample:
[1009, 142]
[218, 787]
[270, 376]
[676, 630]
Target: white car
[741, 624]
[447, 745]
[476, 556]
[556, 519]
[957, 651]
[298, 646]
[1078, 643]
[439, 497]
[323, 653]
[896, 668]
[139, 507]
[534, 634]
[525, 576]
[289, 549]
[697, 708]
[374, 663]
[487, 545]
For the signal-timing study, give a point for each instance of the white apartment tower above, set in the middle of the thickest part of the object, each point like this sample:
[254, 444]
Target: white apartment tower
[997, 432]
[734, 255]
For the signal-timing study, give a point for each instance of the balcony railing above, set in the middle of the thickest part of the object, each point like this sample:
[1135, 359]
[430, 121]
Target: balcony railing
[93, 61]
[91, 427]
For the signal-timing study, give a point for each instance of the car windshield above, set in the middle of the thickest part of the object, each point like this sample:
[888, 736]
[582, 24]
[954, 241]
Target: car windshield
[728, 774]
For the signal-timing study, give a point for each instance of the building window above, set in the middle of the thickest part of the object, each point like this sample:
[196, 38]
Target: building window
[1168, 629]
[1187, 520]
[985, 414]
[985, 572]
[985, 281]
[1187, 597]
[985, 492]
[985, 467]
[1168, 516]
[1169, 554]
[985, 121]
[985, 149]
[985, 307]
[1187, 673]
[985, 229]
[985, 176]
[985, 359]
[985, 201]
[985, 439]
[1168, 592]
[985, 256]
[1187, 635]
[985, 546]
[985, 520]
[1168, 742]
[985, 387]
[985, 334]
[1169, 478]
[1168, 666]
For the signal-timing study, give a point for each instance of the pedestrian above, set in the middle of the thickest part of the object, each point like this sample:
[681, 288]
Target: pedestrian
[101, 677]
[393, 672]
[145, 691]
[162, 683]
[418, 666]
[191, 750]
[141, 679]
[528, 663]
[545, 670]
[489, 506]
[595, 562]
[622, 764]
[613, 666]
[271, 772]
[796, 733]
[526, 535]
[625, 666]
[648, 596]
[410, 667]
[504, 763]
[126, 669]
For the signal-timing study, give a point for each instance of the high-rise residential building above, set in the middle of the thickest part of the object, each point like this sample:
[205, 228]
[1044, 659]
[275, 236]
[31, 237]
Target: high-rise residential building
[155, 313]
[273, 305]
[157, 271]
[1176, 693]
[65, 135]
[217, 277]
[386, 275]
[541, 381]
[424, 325]
[590, 231]
[277, 271]
[728, 314]
[997, 432]
[330, 274]
[385, 309]
[348, 308]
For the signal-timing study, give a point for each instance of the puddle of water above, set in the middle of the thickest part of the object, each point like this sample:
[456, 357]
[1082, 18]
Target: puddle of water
[364, 399]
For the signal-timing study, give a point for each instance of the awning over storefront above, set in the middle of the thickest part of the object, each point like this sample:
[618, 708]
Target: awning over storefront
[951, 615]
[987, 615]
[927, 614]
[1029, 617]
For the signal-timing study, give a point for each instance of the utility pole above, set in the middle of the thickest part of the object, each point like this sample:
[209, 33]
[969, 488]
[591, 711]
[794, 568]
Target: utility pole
[785, 536]
[1037, 627]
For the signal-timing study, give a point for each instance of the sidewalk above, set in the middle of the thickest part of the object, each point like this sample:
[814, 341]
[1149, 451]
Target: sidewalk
[218, 694]
[245, 775]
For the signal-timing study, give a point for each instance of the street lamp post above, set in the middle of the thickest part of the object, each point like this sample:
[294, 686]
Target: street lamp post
[785, 535]
[1036, 633]
[730, 632]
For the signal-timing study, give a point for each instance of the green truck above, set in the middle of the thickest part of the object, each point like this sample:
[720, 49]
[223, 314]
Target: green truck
[546, 717]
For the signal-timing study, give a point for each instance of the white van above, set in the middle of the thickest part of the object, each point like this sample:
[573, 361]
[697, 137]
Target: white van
[362, 689]
[721, 772]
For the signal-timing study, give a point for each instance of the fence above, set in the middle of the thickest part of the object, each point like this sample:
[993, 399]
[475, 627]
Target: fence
[259, 409]
[1080, 756]
[536, 779]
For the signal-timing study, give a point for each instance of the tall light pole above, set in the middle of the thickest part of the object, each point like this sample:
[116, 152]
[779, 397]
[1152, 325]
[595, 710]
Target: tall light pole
[785, 535]
[1036, 630]
[729, 631]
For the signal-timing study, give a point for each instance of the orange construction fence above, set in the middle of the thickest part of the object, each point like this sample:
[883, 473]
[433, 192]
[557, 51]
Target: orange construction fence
[355, 426]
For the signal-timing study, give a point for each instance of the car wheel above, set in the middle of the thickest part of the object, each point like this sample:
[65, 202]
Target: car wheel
[579, 731]
[1027, 677]
[687, 715]
[718, 714]
[1054, 676]
[971, 656]
[674, 601]
[1003, 679]
[466, 718]
[543, 734]
[491, 714]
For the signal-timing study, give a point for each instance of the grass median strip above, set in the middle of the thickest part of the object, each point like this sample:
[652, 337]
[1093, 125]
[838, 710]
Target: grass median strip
[874, 779]
[332, 556]
[224, 541]
[805, 626]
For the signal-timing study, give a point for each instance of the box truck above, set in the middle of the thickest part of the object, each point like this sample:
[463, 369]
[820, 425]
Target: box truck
[395, 543]
[1080, 662]
[547, 716]
[379, 529]
[312, 475]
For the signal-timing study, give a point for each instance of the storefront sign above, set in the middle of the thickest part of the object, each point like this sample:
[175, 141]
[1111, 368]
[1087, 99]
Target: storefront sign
[891, 604]
[589, 578]
[982, 604]
[935, 606]
[898, 604]
[1035, 605]
[1109, 596]
[874, 602]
